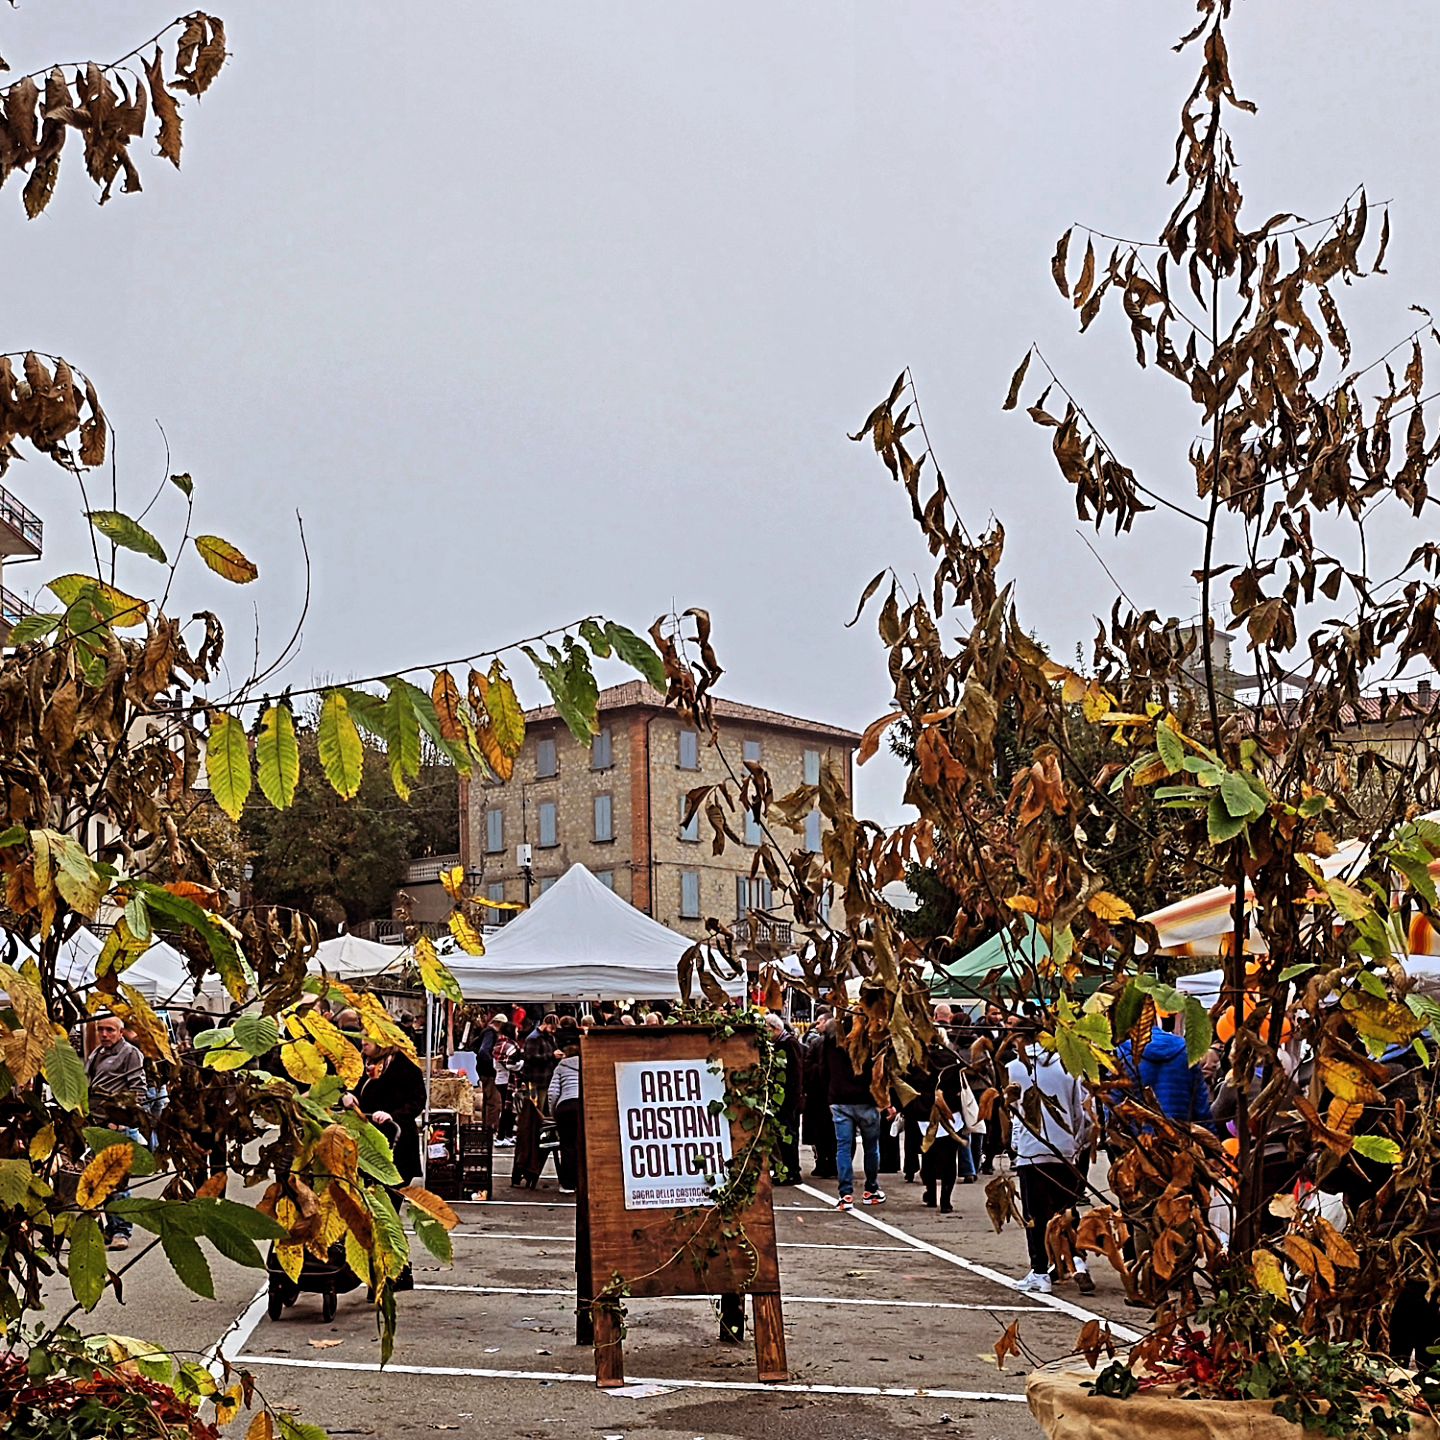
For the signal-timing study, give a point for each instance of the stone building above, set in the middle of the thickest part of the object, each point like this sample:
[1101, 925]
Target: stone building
[616, 807]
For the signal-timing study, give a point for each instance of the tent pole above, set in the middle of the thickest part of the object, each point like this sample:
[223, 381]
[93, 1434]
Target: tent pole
[429, 1068]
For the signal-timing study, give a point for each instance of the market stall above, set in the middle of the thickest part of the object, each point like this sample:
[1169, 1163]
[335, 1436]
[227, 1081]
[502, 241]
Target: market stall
[348, 957]
[160, 974]
[579, 941]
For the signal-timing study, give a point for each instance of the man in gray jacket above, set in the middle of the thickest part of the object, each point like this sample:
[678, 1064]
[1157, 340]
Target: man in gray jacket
[116, 1071]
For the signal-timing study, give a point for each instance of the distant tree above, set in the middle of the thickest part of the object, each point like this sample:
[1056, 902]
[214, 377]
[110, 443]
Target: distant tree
[335, 859]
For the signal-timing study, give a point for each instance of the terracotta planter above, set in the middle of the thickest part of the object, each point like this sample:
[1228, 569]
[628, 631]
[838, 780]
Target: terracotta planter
[1059, 1402]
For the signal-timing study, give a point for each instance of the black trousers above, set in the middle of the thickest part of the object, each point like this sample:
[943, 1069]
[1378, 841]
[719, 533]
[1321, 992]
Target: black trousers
[914, 1136]
[1047, 1189]
[567, 1132]
[939, 1165]
[820, 1136]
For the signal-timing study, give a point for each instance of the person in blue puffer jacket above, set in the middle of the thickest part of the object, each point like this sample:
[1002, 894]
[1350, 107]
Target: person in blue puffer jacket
[1165, 1071]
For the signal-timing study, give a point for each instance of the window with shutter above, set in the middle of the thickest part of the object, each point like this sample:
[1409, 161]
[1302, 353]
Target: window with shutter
[752, 750]
[691, 831]
[689, 750]
[602, 751]
[549, 825]
[812, 831]
[690, 894]
[812, 767]
[753, 835]
[494, 832]
[606, 878]
[604, 818]
[546, 761]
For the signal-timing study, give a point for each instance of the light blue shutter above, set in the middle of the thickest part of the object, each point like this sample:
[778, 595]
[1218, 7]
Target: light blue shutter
[494, 831]
[812, 831]
[812, 767]
[548, 827]
[604, 818]
[690, 894]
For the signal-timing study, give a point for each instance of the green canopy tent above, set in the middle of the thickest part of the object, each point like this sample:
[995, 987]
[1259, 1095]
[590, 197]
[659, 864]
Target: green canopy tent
[1001, 961]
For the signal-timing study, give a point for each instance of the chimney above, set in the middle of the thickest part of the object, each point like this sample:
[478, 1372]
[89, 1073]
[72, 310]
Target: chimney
[1422, 692]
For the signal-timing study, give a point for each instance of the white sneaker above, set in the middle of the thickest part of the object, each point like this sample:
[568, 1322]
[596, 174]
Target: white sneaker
[1036, 1284]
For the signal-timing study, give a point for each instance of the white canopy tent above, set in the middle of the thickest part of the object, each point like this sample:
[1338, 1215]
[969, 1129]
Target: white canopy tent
[160, 974]
[348, 957]
[578, 941]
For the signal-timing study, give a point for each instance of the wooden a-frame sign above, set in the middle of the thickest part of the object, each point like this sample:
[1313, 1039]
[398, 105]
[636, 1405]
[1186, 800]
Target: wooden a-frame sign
[648, 1141]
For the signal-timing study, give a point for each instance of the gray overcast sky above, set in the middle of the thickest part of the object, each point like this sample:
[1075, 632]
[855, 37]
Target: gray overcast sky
[537, 310]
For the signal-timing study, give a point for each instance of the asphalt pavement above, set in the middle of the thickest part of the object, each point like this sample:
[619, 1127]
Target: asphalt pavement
[891, 1317]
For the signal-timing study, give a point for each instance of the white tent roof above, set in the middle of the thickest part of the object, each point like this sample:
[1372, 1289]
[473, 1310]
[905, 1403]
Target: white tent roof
[578, 941]
[160, 974]
[348, 957]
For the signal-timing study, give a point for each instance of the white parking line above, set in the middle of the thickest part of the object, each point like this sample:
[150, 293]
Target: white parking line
[897, 1392]
[1049, 1302]
[570, 1205]
[789, 1299]
[233, 1341]
[570, 1240]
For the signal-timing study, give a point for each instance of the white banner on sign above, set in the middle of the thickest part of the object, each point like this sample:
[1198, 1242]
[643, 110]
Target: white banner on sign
[673, 1151]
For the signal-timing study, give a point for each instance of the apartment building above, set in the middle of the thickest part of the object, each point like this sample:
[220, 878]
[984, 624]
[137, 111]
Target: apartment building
[21, 538]
[617, 807]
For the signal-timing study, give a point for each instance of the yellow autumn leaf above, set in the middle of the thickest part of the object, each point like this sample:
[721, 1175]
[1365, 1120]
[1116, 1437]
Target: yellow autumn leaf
[379, 1025]
[224, 559]
[496, 904]
[453, 882]
[104, 1175]
[434, 973]
[42, 1143]
[338, 1153]
[127, 610]
[467, 937]
[291, 1258]
[333, 1045]
[303, 1062]
[1269, 1276]
[432, 1205]
[261, 1427]
[1025, 904]
[357, 1257]
[1105, 906]
[227, 1406]
[151, 1035]
[1096, 704]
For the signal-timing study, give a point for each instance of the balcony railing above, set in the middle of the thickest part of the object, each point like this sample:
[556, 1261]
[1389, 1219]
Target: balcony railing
[22, 520]
[392, 932]
[420, 872]
[12, 608]
[755, 930]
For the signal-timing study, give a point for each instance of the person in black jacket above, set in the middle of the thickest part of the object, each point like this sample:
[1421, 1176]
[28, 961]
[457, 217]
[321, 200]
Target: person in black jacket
[392, 1094]
[853, 1108]
[819, 1127]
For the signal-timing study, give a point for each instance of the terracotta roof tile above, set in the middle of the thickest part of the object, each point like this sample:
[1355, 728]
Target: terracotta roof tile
[637, 695]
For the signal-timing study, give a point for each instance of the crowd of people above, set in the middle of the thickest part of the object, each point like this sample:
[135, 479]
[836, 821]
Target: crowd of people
[987, 1095]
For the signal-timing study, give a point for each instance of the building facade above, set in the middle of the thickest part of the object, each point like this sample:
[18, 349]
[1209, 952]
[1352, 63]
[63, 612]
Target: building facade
[617, 807]
[21, 538]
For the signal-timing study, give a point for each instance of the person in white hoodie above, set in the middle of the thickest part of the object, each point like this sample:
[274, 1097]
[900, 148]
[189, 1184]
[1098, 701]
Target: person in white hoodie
[1048, 1158]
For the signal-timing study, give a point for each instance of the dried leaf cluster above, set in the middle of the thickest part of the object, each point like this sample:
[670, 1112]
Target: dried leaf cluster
[106, 107]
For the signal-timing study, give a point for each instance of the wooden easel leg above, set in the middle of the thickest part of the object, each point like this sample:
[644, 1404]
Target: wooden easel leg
[609, 1358]
[770, 1338]
[732, 1319]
